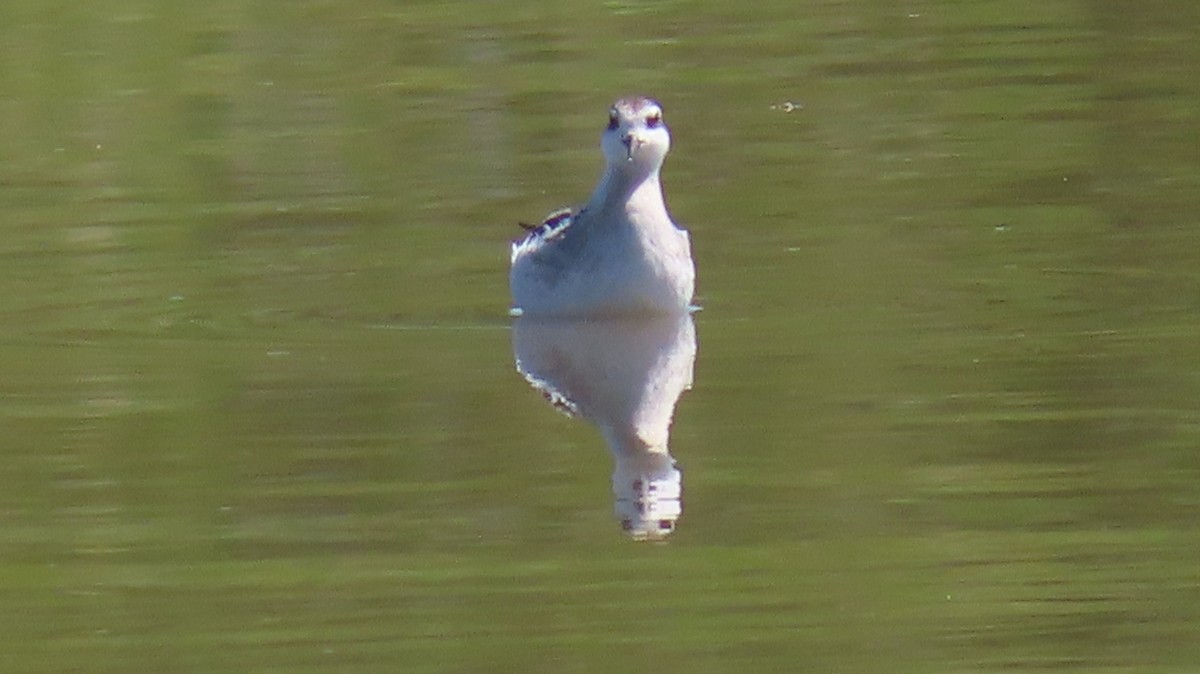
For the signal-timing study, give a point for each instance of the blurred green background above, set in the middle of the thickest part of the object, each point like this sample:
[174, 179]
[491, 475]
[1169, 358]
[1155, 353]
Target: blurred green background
[258, 410]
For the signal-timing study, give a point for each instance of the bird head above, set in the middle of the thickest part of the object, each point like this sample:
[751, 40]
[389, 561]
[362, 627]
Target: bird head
[637, 138]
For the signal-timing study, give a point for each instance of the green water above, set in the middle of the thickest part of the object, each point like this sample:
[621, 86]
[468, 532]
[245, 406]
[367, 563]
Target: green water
[258, 410]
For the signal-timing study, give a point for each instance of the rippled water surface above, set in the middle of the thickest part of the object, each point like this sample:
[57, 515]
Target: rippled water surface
[259, 409]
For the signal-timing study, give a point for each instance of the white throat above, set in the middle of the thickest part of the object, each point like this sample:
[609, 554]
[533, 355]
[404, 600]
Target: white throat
[634, 191]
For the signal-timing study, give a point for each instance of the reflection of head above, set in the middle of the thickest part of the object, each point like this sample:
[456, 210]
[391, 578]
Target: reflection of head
[648, 503]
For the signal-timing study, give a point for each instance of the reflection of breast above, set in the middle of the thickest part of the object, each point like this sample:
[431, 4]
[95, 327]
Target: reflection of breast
[624, 376]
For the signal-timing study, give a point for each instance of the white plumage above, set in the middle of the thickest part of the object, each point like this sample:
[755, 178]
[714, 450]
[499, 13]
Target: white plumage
[621, 253]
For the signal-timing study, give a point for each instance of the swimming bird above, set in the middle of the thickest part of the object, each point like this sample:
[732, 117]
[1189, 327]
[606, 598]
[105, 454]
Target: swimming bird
[619, 254]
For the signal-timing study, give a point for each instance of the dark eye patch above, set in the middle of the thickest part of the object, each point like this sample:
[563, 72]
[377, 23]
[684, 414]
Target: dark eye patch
[653, 120]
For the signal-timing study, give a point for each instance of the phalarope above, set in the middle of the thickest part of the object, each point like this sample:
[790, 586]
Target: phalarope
[620, 253]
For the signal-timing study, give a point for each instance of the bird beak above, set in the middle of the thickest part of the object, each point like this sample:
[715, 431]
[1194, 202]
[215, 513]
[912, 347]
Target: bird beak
[627, 140]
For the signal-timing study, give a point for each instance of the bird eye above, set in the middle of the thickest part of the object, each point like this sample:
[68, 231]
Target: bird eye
[612, 120]
[653, 120]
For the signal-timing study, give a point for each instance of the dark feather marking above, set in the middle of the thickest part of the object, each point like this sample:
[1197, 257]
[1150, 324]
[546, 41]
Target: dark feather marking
[553, 224]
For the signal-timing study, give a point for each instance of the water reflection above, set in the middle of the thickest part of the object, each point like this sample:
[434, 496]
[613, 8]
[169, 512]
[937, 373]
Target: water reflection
[624, 376]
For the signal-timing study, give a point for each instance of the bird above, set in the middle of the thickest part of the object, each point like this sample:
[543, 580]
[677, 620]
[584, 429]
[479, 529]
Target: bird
[620, 254]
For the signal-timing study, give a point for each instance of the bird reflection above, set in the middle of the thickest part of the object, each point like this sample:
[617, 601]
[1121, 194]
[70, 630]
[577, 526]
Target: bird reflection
[624, 376]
